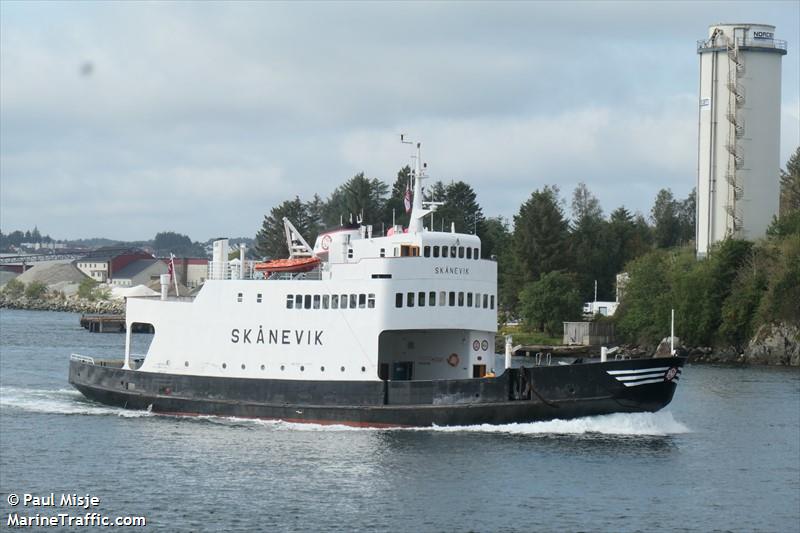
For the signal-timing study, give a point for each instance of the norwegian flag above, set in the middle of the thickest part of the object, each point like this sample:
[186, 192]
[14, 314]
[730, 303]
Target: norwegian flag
[407, 197]
[171, 270]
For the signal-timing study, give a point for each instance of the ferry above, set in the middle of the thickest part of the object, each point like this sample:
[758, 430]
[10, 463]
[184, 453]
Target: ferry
[360, 329]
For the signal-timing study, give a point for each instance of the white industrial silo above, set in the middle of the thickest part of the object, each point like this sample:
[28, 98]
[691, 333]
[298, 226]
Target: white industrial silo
[739, 132]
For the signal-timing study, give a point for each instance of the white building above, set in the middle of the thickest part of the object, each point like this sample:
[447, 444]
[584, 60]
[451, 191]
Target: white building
[739, 132]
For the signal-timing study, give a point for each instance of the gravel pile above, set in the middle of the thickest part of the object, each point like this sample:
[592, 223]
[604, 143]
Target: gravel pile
[52, 273]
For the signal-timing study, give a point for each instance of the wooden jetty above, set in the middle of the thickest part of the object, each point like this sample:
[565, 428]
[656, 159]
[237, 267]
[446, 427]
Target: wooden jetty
[100, 323]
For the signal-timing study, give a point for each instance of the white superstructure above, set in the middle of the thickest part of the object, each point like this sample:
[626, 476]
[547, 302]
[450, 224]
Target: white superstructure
[412, 304]
[739, 132]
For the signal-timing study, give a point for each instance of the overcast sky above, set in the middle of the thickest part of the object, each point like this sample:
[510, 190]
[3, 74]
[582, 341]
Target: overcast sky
[124, 119]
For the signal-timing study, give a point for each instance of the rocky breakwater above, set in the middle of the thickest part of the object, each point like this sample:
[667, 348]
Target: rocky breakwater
[775, 344]
[56, 303]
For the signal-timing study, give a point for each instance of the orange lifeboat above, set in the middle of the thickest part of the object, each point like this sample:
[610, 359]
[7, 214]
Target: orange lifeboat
[298, 264]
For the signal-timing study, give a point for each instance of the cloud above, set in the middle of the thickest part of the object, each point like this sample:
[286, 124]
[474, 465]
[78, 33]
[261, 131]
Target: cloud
[203, 116]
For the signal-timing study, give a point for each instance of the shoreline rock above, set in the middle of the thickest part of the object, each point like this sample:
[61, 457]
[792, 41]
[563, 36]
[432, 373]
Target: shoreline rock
[69, 305]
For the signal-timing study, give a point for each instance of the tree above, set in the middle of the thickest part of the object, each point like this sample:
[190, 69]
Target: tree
[14, 288]
[741, 305]
[687, 216]
[360, 197]
[553, 299]
[169, 242]
[541, 237]
[790, 185]
[460, 208]
[35, 290]
[86, 288]
[588, 244]
[643, 314]
[271, 238]
[665, 218]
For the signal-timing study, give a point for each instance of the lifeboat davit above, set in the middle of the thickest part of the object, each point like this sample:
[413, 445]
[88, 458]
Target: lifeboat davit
[298, 264]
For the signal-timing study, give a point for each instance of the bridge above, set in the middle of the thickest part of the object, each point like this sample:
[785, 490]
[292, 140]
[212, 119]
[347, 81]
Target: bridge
[33, 258]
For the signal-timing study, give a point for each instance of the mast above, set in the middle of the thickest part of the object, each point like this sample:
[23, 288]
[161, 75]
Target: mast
[418, 210]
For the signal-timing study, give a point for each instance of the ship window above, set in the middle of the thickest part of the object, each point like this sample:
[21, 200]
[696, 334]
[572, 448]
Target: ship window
[349, 253]
[325, 301]
[452, 251]
[224, 365]
[435, 251]
[341, 368]
[363, 369]
[263, 367]
[371, 301]
[282, 367]
[362, 301]
[461, 299]
[322, 369]
[469, 253]
[485, 301]
[352, 301]
[477, 299]
[461, 252]
[258, 298]
[432, 298]
[343, 300]
[383, 252]
[316, 301]
[243, 367]
[335, 301]
[444, 251]
[298, 301]
[452, 299]
[398, 299]
[426, 251]
[421, 299]
[290, 301]
[469, 297]
[476, 254]
[442, 298]
[239, 297]
[491, 300]
[307, 301]
[410, 299]
[302, 368]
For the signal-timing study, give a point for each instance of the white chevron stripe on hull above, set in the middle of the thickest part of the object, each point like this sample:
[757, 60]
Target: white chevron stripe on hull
[645, 376]
[638, 371]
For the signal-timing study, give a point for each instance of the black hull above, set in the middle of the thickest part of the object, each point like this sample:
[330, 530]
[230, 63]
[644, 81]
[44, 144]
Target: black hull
[518, 395]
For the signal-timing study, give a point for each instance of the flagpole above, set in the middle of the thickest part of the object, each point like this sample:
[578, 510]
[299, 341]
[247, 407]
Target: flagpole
[174, 277]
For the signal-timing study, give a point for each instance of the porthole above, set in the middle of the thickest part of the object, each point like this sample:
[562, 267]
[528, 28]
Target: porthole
[224, 365]
[342, 369]
[322, 369]
[302, 368]
[282, 368]
[186, 363]
[167, 362]
[262, 367]
[363, 369]
[242, 366]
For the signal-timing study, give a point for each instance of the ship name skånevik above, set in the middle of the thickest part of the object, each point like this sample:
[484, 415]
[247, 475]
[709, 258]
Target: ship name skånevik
[456, 271]
[276, 336]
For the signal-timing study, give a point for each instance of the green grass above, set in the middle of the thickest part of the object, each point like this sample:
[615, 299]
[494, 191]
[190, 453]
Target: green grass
[523, 336]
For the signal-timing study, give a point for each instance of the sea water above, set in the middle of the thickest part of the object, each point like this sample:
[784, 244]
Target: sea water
[723, 456]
